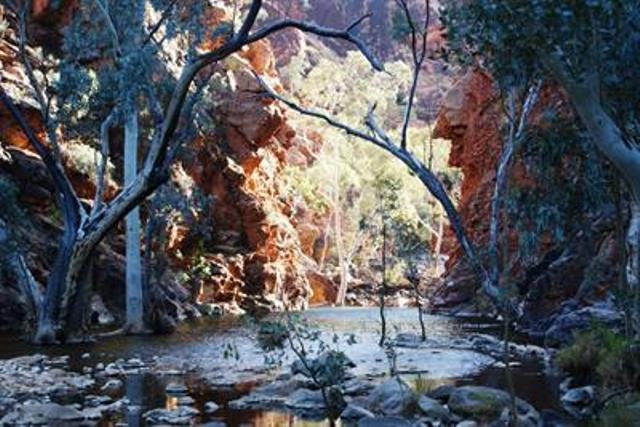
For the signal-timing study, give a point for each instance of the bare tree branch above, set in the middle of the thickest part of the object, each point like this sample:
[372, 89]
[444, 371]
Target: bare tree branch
[71, 206]
[322, 116]
[430, 181]
[250, 20]
[44, 103]
[104, 8]
[156, 27]
[101, 174]
[347, 35]
[517, 126]
[419, 52]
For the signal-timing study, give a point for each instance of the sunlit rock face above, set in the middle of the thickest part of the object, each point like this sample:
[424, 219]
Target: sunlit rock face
[259, 250]
[264, 241]
[471, 117]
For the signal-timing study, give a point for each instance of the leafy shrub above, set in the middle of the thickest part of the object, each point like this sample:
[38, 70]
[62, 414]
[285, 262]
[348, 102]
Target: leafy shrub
[272, 335]
[602, 356]
[84, 159]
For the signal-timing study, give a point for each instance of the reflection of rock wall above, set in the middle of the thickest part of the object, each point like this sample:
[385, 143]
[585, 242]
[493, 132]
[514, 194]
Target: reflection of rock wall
[585, 267]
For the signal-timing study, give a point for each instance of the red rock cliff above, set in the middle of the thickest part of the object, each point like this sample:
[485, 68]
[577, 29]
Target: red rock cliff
[257, 258]
[582, 268]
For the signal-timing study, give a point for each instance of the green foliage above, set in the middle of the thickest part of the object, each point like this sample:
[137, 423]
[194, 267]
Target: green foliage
[564, 197]
[300, 182]
[272, 335]
[604, 357]
[352, 177]
[84, 159]
[320, 361]
[595, 38]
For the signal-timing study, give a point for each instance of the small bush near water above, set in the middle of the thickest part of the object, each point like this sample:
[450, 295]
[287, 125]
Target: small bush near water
[602, 357]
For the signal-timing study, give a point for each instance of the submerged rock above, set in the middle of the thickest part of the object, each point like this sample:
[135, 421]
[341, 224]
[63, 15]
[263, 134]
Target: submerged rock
[179, 416]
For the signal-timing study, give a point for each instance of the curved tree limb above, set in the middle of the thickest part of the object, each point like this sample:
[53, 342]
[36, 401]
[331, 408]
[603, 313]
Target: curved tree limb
[430, 181]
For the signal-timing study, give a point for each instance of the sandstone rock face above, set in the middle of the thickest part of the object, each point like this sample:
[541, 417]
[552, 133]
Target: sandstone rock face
[258, 254]
[262, 254]
[583, 268]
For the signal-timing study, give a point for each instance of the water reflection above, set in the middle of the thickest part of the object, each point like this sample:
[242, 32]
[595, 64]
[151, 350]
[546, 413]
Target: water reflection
[134, 385]
[201, 345]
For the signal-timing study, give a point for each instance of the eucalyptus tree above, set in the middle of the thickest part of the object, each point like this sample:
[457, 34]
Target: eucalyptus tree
[375, 134]
[169, 103]
[591, 49]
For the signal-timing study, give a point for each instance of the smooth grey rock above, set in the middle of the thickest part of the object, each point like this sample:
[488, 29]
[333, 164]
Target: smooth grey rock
[306, 399]
[392, 397]
[354, 412]
[384, 422]
[113, 386]
[433, 410]
[357, 387]
[565, 325]
[441, 393]
[211, 407]
[180, 416]
[579, 402]
[176, 389]
[41, 414]
[186, 401]
[487, 404]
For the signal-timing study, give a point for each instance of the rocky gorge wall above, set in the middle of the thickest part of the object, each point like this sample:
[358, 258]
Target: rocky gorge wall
[259, 252]
[567, 276]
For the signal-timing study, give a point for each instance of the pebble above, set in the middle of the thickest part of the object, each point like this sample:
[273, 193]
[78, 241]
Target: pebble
[176, 388]
[211, 407]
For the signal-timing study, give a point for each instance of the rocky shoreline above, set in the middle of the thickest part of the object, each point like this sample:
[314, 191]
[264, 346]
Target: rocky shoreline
[45, 390]
[194, 386]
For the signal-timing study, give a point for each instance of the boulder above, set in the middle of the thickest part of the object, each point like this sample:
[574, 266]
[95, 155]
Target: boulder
[42, 414]
[306, 400]
[182, 415]
[488, 404]
[176, 389]
[354, 412]
[211, 407]
[384, 422]
[565, 325]
[580, 401]
[433, 410]
[112, 387]
[392, 397]
[311, 403]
